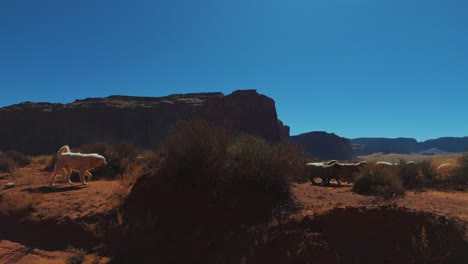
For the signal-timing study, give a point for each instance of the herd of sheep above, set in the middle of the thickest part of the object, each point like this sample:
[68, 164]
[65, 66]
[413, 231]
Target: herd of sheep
[326, 171]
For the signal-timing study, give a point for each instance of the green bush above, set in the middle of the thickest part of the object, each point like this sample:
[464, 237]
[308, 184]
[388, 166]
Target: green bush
[212, 159]
[13, 159]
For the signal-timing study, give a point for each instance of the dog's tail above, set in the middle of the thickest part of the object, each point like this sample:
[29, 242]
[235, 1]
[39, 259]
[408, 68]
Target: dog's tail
[63, 149]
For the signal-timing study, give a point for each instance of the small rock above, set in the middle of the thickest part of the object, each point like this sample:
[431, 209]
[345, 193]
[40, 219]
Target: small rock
[10, 185]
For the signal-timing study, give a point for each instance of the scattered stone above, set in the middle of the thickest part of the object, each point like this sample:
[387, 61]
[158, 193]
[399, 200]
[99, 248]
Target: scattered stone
[10, 185]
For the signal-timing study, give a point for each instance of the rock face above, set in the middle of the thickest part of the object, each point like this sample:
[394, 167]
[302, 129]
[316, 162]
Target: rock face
[36, 128]
[324, 145]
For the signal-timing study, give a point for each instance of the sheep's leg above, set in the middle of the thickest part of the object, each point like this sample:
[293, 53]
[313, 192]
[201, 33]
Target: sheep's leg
[338, 181]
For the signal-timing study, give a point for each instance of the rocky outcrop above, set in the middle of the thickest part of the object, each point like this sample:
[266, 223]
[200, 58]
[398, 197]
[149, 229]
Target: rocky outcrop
[283, 130]
[244, 110]
[324, 145]
[36, 128]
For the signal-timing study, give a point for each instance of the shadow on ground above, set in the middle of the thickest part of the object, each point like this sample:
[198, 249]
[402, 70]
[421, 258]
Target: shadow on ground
[48, 189]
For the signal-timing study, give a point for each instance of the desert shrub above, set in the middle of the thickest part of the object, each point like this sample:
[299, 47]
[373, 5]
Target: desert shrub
[379, 182]
[252, 160]
[76, 256]
[459, 179]
[409, 175]
[213, 159]
[41, 160]
[148, 162]
[18, 203]
[13, 159]
[194, 154]
[428, 171]
[118, 157]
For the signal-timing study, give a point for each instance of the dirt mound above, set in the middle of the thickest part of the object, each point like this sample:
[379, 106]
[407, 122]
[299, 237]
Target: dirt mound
[393, 235]
[163, 224]
[166, 224]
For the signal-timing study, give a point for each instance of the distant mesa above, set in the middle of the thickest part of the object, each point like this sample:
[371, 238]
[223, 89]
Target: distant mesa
[434, 151]
[324, 145]
[439, 146]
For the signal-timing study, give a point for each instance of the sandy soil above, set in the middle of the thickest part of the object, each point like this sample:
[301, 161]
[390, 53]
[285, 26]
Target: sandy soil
[76, 203]
[63, 203]
[318, 199]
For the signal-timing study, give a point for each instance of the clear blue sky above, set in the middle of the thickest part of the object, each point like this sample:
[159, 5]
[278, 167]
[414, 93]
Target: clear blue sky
[356, 68]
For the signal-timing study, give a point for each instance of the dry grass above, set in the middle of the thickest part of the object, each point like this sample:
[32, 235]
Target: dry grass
[394, 158]
[147, 163]
[214, 159]
[18, 203]
[42, 159]
[20, 178]
[13, 159]
[384, 183]
[77, 256]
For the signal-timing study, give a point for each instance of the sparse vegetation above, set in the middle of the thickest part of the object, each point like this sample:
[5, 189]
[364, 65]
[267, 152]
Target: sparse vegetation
[76, 256]
[10, 160]
[18, 203]
[41, 160]
[385, 183]
[148, 162]
[459, 179]
[118, 156]
[422, 174]
[409, 174]
[213, 159]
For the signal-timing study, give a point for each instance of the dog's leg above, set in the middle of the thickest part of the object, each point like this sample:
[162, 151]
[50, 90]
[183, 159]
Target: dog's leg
[89, 175]
[56, 169]
[82, 177]
[68, 175]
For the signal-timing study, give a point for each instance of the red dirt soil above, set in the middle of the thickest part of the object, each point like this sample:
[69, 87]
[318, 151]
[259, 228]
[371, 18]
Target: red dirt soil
[68, 214]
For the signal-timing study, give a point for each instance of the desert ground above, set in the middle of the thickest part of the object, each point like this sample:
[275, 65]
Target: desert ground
[41, 224]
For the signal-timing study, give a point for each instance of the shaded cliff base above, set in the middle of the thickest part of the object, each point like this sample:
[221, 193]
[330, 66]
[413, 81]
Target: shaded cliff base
[327, 225]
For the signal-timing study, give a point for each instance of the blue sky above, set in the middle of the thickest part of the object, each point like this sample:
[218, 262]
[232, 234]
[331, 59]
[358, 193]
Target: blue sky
[356, 68]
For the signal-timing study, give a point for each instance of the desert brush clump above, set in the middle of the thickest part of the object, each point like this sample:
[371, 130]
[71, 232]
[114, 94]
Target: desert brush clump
[428, 171]
[18, 203]
[118, 157]
[41, 159]
[12, 159]
[459, 178]
[379, 182]
[76, 255]
[213, 159]
[409, 174]
[146, 163]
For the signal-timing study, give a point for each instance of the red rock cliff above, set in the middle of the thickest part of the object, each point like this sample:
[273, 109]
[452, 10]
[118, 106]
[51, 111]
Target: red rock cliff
[36, 128]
